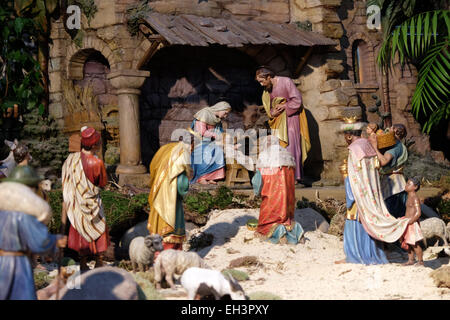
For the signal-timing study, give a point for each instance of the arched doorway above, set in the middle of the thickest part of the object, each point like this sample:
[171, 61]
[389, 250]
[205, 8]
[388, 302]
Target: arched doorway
[91, 101]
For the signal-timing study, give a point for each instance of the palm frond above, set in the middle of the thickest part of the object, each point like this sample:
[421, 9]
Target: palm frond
[432, 89]
[423, 40]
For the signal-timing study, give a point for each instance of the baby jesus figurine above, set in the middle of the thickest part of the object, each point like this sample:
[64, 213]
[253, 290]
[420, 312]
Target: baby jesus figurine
[412, 234]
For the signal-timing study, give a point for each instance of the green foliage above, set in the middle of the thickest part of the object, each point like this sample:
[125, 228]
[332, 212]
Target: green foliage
[419, 36]
[443, 208]
[204, 202]
[236, 274]
[306, 25]
[146, 289]
[39, 10]
[223, 197]
[20, 74]
[121, 211]
[48, 146]
[66, 261]
[88, 7]
[423, 39]
[55, 202]
[135, 15]
[201, 202]
[41, 280]
[263, 295]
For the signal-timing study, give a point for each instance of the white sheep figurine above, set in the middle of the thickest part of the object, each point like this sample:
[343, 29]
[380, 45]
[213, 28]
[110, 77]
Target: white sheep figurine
[202, 282]
[8, 164]
[142, 250]
[170, 262]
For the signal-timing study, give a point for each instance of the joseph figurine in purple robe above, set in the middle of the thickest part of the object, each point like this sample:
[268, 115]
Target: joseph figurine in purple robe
[23, 218]
[287, 118]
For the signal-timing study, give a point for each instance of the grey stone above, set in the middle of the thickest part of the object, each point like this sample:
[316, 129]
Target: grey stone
[311, 220]
[139, 230]
[106, 283]
[428, 212]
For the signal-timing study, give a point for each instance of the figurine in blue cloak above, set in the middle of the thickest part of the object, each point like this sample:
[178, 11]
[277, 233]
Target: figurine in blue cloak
[359, 246]
[23, 217]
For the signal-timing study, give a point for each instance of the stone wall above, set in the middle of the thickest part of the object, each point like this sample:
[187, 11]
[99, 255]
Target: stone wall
[400, 84]
[273, 10]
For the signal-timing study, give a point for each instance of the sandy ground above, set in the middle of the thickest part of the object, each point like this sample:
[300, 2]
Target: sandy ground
[307, 271]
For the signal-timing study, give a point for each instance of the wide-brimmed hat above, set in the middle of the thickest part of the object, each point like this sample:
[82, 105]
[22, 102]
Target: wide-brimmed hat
[25, 175]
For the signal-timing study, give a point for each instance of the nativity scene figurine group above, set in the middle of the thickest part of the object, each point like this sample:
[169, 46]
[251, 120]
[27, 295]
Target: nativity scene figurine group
[382, 207]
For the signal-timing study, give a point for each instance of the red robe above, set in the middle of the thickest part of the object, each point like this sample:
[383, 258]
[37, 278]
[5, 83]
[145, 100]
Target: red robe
[96, 173]
[278, 199]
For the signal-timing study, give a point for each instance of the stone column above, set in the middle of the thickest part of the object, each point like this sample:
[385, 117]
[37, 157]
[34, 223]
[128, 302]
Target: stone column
[128, 83]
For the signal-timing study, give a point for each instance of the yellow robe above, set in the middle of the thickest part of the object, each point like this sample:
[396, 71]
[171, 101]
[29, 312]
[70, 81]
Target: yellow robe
[169, 162]
[279, 124]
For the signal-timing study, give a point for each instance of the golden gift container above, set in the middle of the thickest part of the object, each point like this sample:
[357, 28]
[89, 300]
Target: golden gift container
[343, 168]
[252, 224]
[386, 140]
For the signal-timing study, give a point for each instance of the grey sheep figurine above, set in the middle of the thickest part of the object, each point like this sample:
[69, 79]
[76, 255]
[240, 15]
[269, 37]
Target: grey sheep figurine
[434, 227]
[142, 251]
[171, 262]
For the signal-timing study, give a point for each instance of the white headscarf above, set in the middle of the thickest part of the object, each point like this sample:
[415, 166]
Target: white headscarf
[208, 115]
[273, 155]
[15, 196]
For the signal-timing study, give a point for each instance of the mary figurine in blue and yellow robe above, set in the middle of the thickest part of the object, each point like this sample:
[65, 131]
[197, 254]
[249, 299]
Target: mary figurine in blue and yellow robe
[207, 159]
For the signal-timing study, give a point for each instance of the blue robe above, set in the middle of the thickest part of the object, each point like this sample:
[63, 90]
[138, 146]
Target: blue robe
[207, 156]
[21, 232]
[359, 247]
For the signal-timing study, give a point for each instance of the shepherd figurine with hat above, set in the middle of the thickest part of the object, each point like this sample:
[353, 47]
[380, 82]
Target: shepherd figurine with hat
[83, 174]
[23, 217]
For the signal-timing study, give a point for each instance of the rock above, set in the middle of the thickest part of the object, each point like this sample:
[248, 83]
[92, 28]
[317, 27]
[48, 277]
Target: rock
[311, 220]
[330, 85]
[439, 157]
[337, 225]
[428, 212]
[106, 283]
[334, 67]
[98, 86]
[245, 261]
[334, 98]
[333, 30]
[236, 274]
[108, 99]
[441, 277]
[262, 295]
[139, 230]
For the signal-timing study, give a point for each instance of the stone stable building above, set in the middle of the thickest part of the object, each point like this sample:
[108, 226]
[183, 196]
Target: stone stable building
[187, 54]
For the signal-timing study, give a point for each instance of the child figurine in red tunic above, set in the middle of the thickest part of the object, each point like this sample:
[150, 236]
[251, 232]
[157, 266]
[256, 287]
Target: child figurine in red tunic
[83, 174]
[413, 234]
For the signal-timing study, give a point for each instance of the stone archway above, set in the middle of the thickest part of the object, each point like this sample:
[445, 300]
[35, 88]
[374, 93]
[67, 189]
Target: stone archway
[76, 56]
